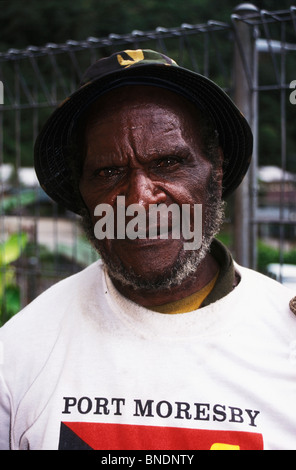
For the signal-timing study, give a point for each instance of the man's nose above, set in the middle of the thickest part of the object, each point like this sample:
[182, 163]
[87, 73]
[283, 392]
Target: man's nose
[142, 190]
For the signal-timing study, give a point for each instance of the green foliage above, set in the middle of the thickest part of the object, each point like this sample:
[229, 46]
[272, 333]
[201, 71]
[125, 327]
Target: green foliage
[36, 23]
[290, 257]
[22, 199]
[10, 251]
[268, 254]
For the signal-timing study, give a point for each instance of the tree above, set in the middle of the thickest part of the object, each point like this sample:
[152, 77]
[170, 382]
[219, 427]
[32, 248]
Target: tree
[36, 22]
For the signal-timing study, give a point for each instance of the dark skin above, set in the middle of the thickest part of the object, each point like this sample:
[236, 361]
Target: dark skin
[142, 143]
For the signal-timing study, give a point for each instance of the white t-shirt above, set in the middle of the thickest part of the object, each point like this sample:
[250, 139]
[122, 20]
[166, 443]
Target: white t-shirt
[83, 367]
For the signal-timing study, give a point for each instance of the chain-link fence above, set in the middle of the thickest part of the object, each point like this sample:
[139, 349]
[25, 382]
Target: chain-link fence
[253, 57]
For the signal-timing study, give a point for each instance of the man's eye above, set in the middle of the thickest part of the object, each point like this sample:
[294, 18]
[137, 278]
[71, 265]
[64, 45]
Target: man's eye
[167, 162]
[108, 172]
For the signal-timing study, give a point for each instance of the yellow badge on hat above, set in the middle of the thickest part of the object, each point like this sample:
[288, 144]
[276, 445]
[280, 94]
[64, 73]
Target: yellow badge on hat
[136, 56]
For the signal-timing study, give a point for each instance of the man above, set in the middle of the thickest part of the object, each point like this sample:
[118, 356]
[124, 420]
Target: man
[165, 343]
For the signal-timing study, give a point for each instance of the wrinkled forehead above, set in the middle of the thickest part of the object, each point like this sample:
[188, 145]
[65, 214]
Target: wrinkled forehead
[146, 98]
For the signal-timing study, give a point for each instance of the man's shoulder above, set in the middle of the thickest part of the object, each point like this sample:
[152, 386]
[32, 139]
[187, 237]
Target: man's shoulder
[49, 307]
[263, 279]
[265, 290]
[31, 337]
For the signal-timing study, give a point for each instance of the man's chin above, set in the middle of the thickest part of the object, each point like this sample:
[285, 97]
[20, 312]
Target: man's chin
[146, 259]
[155, 275]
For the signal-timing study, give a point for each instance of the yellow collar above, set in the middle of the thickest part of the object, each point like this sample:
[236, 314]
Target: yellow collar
[189, 303]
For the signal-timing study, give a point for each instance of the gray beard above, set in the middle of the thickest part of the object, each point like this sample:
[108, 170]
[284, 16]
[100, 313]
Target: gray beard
[187, 261]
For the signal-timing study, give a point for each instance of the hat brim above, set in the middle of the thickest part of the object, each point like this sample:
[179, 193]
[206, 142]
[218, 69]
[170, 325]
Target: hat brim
[51, 152]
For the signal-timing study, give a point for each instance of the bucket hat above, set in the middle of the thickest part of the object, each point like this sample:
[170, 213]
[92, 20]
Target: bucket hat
[52, 152]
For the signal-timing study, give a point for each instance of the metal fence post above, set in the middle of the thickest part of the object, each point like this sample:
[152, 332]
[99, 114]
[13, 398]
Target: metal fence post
[244, 69]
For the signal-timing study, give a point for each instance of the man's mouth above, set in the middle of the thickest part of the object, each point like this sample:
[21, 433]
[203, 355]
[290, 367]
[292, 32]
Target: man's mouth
[153, 235]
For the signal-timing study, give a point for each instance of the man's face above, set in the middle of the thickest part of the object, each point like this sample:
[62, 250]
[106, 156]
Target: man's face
[143, 143]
